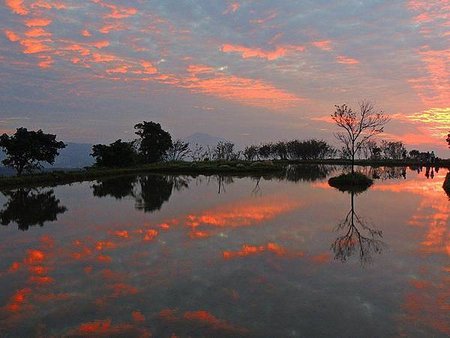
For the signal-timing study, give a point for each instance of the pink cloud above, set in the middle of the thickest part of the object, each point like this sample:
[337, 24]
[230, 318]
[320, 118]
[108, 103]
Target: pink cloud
[247, 52]
[346, 60]
[232, 8]
[38, 22]
[17, 7]
[323, 45]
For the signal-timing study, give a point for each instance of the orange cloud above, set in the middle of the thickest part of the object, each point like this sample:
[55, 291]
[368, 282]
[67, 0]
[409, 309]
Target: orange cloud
[11, 36]
[323, 44]
[86, 33]
[346, 60]
[37, 32]
[243, 90]
[37, 22]
[101, 44]
[232, 8]
[17, 7]
[254, 52]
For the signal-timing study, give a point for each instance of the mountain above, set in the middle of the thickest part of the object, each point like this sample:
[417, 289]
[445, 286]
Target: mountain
[203, 139]
[75, 155]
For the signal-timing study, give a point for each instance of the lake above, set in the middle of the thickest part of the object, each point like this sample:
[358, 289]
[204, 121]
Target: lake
[271, 256]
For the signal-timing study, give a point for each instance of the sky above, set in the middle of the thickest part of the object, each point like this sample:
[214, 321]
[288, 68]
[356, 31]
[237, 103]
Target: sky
[249, 71]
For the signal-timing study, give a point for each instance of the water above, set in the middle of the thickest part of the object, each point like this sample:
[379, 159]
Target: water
[228, 257]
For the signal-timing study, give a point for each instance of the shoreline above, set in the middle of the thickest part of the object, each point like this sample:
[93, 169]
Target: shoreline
[191, 168]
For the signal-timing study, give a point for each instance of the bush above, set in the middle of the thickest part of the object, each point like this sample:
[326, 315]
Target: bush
[355, 182]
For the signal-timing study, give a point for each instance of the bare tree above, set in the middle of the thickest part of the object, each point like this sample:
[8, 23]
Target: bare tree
[178, 151]
[359, 238]
[359, 127]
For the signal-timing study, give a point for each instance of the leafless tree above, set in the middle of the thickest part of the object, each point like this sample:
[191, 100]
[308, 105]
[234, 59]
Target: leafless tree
[359, 238]
[359, 127]
[178, 151]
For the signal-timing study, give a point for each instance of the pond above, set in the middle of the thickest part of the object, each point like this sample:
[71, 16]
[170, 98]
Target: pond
[271, 256]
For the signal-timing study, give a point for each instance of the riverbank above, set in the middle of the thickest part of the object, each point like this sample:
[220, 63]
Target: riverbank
[188, 168]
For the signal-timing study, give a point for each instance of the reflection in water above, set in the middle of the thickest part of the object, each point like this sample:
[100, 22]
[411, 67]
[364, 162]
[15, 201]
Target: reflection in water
[359, 237]
[117, 187]
[150, 192]
[27, 207]
[155, 190]
[230, 265]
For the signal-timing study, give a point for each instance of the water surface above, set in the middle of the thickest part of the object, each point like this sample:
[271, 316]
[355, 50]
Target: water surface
[284, 256]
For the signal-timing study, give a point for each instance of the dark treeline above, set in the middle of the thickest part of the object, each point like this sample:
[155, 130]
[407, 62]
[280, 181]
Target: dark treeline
[26, 150]
[156, 145]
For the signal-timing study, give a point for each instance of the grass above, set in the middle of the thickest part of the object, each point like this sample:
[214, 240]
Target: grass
[355, 182]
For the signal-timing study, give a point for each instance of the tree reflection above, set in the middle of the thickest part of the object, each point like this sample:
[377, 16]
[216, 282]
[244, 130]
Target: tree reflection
[29, 207]
[359, 237]
[117, 187]
[149, 192]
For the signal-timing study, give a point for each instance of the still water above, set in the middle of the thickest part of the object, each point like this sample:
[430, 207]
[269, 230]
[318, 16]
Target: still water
[284, 256]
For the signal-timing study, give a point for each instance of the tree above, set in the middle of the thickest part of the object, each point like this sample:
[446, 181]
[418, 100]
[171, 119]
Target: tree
[224, 151]
[154, 141]
[28, 207]
[359, 127]
[393, 150]
[178, 151]
[117, 154]
[25, 150]
[448, 139]
[251, 152]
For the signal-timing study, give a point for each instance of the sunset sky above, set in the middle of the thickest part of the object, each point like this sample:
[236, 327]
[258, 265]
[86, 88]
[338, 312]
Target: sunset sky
[246, 70]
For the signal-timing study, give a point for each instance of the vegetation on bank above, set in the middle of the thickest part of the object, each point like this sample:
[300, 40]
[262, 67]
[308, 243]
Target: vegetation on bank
[353, 182]
[155, 150]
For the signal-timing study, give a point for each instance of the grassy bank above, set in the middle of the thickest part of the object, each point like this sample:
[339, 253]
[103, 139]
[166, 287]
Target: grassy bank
[186, 168]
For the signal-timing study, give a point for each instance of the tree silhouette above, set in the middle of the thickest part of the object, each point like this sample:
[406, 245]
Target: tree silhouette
[28, 207]
[359, 238]
[154, 141]
[117, 154]
[155, 190]
[359, 127]
[117, 187]
[25, 150]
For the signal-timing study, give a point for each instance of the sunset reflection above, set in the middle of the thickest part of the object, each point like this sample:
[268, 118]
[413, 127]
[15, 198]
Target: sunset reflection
[267, 255]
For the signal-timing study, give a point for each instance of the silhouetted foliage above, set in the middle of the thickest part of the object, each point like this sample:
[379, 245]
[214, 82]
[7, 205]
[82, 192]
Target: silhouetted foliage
[352, 182]
[393, 150]
[178, 151]
[155, 190]
[446, 185]
[358, 127]
[117, 154]
[154, 141]
[117, 187]
[224, 151]
[251, 153]
[414, 154]
[359, 238]
[149, 192]
[25, 150]
[28, 207]
[307, 173]
[448, 140]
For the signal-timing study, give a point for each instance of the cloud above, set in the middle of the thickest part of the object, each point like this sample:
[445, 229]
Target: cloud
[17, 7]
[323, 45]
[346, 60]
